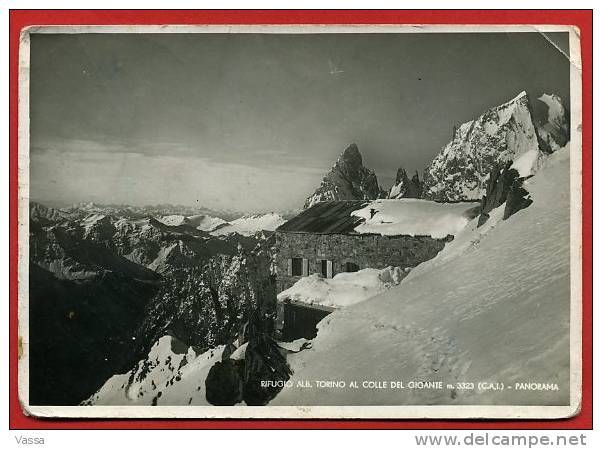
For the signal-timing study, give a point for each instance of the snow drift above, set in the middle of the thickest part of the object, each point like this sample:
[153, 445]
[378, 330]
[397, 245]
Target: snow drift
[409, 216]
[343, 289]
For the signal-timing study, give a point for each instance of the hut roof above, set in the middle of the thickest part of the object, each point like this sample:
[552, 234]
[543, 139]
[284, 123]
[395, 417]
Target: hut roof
[408, 216]
[327, 217]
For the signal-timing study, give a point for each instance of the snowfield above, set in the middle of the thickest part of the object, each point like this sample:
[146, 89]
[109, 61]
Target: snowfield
[492, 306]
[249, 225]
[343, 289]
[206, 222]
[409, 216]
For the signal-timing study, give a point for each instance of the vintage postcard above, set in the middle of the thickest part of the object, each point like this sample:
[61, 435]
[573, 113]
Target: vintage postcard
[300, 221]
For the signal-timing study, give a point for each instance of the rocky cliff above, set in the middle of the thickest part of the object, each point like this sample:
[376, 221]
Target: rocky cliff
[512, 131]
[347, 180]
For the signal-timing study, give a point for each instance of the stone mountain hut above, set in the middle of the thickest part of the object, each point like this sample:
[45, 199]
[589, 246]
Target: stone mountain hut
[322, 239]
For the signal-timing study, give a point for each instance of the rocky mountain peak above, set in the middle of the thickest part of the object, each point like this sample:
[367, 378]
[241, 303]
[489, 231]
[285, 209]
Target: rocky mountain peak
[519, 130]
[347, 180]
[351, 157]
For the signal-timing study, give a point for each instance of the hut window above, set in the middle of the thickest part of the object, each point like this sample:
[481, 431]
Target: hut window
[326, 268]
[298, 267]
[351, 267]
[296, 264]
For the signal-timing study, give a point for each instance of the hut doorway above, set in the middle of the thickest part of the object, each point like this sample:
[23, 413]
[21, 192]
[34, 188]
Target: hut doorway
[300, 320]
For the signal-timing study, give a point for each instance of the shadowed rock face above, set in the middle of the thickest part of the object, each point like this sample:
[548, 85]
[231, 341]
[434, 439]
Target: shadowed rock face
[551, 120]
[504, 186]
[80, 331]
[347, 180]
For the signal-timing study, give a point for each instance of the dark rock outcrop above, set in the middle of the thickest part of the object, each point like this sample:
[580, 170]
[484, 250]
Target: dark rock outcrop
[405, 187]
[347, 180]
[552, 121]
[224, 382]
[264, 361]
[504, 186]
[518, 198]
[259, 377]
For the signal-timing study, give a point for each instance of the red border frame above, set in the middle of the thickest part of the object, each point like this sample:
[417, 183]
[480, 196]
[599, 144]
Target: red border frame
[583, 19]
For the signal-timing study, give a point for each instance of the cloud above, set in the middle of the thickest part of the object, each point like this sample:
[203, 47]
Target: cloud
[136, 178]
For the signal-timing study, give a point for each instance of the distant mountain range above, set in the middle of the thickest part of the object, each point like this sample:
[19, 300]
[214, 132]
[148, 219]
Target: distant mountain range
[104, 288]
[135, 211]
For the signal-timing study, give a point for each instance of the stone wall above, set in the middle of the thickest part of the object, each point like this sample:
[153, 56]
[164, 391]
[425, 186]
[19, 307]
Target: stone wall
[365, 250]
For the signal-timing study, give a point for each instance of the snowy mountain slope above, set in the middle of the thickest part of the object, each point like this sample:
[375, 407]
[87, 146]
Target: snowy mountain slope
[171, 374]
[492, 306]
[173, 220]
[410, 216]
[246, 225]
[250, 224]
[348, 179]
[174, 374]
[505, 132]
[205, 223]
[343, 289]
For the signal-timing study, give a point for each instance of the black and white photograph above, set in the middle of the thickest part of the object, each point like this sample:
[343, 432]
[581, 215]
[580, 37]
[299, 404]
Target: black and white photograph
[300, 222]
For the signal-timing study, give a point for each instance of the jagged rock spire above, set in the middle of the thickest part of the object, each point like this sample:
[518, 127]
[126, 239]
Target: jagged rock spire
[347, 180]
[405, 187]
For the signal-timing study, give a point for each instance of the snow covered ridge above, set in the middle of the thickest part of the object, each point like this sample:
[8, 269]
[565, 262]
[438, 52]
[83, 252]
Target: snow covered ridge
[246, 225]
[251, 224]
[344, 289]
[511, 131]
[201, 222]
[171, 374]
[174, 374]
[493, 305]
[409, 216]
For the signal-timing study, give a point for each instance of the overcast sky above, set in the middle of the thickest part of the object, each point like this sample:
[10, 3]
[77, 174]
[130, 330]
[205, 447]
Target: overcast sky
[253, 121]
